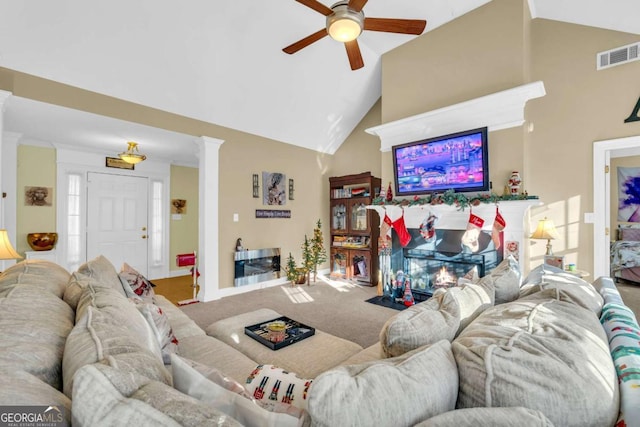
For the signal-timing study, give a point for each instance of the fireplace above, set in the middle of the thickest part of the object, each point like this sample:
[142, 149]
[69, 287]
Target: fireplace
[439, 264]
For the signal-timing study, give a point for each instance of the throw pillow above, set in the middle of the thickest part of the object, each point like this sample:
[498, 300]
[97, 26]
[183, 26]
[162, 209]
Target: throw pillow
[622, 329]
[506, 280]
[101, 270]
[138, 283]
[270, 383]
[210, 386]
[427, 322]
[159, 323]
[401, 391]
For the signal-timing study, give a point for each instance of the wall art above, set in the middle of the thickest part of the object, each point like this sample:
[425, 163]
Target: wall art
[628, 194]
[273, 188]
[38, 196]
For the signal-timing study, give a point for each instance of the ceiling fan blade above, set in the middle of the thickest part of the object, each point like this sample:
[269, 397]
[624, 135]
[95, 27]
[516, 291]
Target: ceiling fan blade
[317, 6]
[301, 44]
[389, 25]
[353, 52]
[357, 5]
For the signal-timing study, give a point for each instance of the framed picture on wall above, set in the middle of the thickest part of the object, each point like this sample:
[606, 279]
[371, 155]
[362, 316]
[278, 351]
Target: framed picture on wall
[554, 261]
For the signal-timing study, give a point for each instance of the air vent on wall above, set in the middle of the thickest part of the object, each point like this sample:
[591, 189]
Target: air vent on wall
[618, 56]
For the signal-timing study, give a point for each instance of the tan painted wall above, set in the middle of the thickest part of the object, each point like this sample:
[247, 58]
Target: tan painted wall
[184, 229]
[36, 168]
[493, 48]
[361, 151]
[582, 105]
[241, 155]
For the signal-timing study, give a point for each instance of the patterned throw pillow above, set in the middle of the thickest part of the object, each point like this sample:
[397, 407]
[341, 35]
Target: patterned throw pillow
[159, 323]
[269, 383]
[138, 283]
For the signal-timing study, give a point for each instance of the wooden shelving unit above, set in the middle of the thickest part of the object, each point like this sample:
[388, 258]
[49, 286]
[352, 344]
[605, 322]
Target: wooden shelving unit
[354, 229]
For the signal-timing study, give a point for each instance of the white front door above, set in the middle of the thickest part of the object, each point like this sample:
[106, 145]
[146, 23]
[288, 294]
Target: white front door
[117, 219]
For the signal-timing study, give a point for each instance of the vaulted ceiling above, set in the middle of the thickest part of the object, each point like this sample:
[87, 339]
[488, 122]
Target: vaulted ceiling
[222, 61]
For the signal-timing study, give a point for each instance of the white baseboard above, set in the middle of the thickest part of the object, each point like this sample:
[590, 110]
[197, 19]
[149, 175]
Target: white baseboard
[179, 273]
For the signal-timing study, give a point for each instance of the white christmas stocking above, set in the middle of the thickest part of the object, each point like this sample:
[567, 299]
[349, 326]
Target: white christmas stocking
[470, 237]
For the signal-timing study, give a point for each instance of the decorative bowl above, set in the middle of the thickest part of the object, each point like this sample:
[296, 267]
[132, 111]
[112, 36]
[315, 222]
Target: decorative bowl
[42, 241]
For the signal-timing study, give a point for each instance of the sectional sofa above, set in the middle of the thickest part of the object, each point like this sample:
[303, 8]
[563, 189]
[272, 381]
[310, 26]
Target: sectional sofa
[101, 348]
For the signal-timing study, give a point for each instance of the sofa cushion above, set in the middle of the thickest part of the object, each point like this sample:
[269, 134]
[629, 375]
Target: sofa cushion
[119, 310]
[230, 397]
[551, 354]
[18, 387]
[424, 323]
[494, 417]
[97, 337]
[575, 289]
[42, 274]
[104, 395]
[34, 326]
[183, 326]
[211, 351]
[398, 391]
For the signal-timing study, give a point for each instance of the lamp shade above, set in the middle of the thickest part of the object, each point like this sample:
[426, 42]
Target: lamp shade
[6, 248]
[546, 230]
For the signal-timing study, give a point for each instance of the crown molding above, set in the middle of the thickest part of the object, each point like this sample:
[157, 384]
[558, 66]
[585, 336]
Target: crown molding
[500, 110]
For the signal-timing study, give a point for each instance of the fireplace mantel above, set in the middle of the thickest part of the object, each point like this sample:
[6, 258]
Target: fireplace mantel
[515, 214]
[500, 110]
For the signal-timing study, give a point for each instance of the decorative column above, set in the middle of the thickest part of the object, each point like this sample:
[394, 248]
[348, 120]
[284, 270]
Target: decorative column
[8, 176]
[208, 189]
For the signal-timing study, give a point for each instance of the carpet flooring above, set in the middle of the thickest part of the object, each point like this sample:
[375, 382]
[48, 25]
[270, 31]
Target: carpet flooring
[338, 308]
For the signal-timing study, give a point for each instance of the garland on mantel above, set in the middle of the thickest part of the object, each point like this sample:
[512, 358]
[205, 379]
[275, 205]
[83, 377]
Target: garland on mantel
[452, 198]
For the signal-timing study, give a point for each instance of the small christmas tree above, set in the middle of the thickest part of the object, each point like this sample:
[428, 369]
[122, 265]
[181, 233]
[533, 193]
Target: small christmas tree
[307, 258]
[318, 252]
[291, 269]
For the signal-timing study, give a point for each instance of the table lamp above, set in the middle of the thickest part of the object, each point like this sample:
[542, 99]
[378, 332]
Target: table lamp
[546, 231]
[6, 248]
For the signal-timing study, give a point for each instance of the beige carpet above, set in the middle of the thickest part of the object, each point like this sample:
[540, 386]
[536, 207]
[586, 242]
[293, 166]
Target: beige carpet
[339, 309]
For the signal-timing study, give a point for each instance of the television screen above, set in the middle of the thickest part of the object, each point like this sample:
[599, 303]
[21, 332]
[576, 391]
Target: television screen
[458, 161]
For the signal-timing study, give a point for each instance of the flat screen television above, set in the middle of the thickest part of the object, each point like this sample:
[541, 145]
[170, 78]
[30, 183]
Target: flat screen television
[458, 161]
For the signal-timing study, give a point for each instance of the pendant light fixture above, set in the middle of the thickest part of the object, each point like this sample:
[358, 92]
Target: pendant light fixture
[132, 155]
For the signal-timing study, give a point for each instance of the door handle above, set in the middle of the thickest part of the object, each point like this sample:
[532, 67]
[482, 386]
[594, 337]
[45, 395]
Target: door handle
[144, 236]
[144, 228]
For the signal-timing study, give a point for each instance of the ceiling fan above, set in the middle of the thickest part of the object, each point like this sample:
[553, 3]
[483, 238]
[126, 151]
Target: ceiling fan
[346, 21]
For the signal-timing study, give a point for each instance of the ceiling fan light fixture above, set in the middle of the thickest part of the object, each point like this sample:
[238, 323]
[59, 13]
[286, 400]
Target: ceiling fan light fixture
[132, 155]
[344, 25]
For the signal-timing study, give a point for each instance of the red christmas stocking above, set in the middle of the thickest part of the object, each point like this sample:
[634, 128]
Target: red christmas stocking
[428, 227]
[498, 225]
[401, 229]
[470, 237]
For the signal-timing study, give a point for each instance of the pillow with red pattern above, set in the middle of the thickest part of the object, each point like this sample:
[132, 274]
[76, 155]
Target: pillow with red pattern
[268, 383]
[139, 284]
